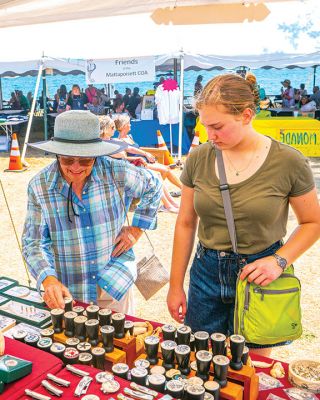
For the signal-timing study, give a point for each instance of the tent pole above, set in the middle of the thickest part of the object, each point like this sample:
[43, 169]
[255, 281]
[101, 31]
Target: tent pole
[1, 103]
[33, 106]
[44, 100]
[175, 69]
[314, 75]
[181, 108]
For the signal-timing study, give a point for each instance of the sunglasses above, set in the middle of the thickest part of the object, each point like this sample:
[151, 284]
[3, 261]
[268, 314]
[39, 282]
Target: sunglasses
[84, 162]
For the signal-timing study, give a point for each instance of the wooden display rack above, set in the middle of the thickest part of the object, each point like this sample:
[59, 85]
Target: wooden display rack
[124, 350]
[242, 385]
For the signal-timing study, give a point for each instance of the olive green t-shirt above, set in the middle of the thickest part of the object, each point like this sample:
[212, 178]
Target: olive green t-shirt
[260, 203]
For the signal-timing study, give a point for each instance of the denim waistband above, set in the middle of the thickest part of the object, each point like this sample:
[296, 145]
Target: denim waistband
[225, 254]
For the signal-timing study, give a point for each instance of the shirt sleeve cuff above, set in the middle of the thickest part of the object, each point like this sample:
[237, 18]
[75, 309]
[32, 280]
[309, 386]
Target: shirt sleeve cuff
[43, 275]
[145, 223]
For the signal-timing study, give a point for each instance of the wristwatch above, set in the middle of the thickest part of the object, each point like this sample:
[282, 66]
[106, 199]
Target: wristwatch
[282, 262]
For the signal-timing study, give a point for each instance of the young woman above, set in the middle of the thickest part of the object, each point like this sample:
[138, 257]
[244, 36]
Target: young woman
[265, 177]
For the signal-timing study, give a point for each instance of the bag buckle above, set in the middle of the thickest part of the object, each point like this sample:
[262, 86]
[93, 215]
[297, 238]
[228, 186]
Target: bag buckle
[223, 187]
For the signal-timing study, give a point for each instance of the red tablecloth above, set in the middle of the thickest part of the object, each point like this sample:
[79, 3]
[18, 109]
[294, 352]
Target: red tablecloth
[279, 391]
[94, 387]
[42, 363]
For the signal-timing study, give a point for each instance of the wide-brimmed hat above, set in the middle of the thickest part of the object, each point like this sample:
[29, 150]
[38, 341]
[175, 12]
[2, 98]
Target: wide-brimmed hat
[286, 81]
[77, 134]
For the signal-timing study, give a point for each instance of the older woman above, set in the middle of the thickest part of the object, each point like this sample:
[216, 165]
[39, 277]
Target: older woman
[107, 129]
[75, 240]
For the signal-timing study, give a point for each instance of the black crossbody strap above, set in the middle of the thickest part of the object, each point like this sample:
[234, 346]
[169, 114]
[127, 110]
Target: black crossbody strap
[225, 193]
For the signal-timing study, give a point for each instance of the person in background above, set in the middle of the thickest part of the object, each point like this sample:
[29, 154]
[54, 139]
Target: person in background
[307, 105]
[198, 85]
[302, 91]
[118, 106]
[77, 100]
[103, 98]
[91, 92]
[265, 178]
[48, 103]
[30, 98]
[316, 96]
[126, 97]
[123, 126]
[135, 99]
[117, 95]
[24, 102]
[61, 99]
[287, 94]
[107, 130]
[14, 102]
[95, 107]
[75, 241]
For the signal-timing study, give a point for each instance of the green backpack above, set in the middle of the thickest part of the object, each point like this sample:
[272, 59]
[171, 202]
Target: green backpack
[269, 314]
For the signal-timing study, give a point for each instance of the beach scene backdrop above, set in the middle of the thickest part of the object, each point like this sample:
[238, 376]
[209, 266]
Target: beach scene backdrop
[269, 79]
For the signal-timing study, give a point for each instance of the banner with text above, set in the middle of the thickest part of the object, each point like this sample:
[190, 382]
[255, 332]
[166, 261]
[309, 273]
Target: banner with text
[118, 70]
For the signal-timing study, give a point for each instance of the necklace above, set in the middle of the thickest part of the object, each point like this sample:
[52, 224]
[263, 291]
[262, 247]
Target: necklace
[238, 171]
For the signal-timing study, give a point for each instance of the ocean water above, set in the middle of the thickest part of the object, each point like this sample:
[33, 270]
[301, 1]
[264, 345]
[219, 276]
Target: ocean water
[270, 80]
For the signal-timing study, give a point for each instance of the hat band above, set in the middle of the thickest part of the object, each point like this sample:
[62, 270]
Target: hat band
[56, 139]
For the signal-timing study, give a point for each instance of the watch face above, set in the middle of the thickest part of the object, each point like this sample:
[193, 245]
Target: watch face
[282, 262]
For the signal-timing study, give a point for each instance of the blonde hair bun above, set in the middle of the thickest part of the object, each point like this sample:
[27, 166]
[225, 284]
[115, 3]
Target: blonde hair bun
[251, 78]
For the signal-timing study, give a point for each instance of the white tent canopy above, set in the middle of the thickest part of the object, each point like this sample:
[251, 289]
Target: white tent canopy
[24, 68]
[140, 35]
[25, 12]
[59, 66]
[277, 60]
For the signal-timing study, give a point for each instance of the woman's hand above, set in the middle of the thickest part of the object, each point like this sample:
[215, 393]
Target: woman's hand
[141, 161]
[262, 271]
[127, 237]
[54, 292]
[177, 304]
[150, 157]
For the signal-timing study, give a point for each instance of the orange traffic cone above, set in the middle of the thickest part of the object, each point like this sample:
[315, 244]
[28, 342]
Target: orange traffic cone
[195, 142]
[15, 164]
[162, 145]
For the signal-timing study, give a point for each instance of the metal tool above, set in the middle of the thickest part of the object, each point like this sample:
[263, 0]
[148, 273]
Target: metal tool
[51, 389]
[121, 396]
[83, 386]
[58, 381]
[36, 395]
[76, 371]
[143, 389]
[137, 395]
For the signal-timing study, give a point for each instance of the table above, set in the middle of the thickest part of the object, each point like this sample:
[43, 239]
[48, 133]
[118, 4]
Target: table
[145, 134]
[11, 112]
[9, 126]
[279, 111]
[42, 364]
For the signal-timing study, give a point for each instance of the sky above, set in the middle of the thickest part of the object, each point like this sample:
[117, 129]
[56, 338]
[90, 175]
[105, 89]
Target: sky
[289, 28]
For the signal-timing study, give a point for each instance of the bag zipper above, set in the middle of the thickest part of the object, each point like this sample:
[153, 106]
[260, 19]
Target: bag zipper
[246, 304]
[269, 291]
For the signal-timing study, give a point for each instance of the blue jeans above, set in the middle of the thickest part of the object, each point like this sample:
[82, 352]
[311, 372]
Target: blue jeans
[212, 289]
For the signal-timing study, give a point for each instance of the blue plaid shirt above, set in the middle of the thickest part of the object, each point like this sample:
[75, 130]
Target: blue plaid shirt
[79, 253]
